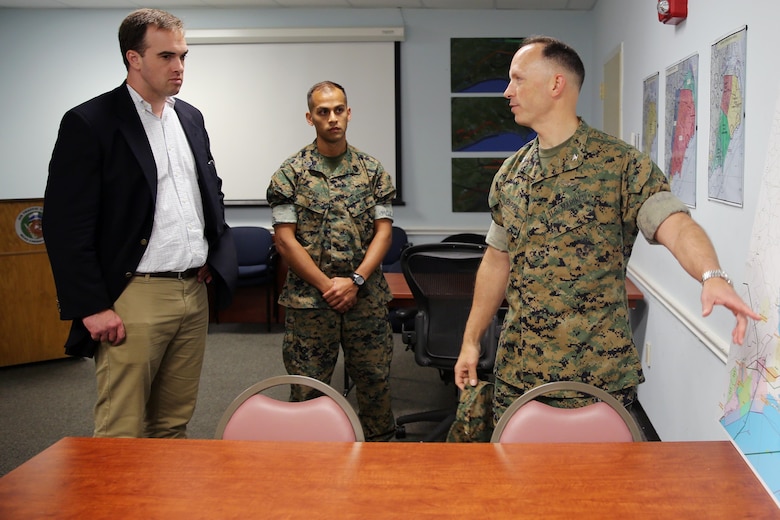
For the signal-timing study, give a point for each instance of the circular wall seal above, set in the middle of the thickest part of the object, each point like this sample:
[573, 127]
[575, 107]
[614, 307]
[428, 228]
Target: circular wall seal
[29, 225]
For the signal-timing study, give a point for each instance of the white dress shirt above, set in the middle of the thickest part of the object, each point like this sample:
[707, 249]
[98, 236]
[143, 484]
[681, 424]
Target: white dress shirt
[178, 241]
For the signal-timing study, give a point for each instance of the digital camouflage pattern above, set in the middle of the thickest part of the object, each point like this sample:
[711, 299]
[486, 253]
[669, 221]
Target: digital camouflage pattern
[335, 217]
[311, 347]
[570, 232]
[335, 209]
[474, 416]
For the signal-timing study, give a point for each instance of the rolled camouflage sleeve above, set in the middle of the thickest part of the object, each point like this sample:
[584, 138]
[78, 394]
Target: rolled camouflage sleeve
[496, 237]
[655, 210]
[383, 211]
[284, 214]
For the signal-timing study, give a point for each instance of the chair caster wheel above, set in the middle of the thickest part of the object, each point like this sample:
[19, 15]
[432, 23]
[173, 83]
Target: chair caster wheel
[400, 432]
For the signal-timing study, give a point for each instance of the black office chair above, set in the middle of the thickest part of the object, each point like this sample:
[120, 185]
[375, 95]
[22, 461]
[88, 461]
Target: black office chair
[441, 277]
[256, 255]
[468, 238]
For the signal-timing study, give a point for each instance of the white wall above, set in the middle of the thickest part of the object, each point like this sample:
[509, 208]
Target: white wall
[54, 59]
[687, 376]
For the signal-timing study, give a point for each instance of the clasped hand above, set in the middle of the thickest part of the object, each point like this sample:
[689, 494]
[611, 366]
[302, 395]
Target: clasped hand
[342, 295]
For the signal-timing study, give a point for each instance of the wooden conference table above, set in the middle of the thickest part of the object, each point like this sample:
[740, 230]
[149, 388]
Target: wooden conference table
[155, 478]
[402, 295]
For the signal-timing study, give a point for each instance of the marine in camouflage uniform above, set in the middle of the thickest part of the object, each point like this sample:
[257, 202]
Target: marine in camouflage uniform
[566, 210]
[570, 216]
[335, 205]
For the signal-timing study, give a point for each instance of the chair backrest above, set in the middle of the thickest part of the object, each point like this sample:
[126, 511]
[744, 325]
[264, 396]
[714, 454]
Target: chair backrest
[441, 277]
[391, 263]
[254, 245]
[469, 238]
[253, 416]
[527, 420]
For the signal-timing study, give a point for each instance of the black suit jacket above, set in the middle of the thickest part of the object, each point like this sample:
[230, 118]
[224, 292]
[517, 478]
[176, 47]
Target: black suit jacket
[99, 207]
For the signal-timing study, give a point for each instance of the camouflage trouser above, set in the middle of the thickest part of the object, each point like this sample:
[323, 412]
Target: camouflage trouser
[505, 394]
[474, 418]
[311, 347]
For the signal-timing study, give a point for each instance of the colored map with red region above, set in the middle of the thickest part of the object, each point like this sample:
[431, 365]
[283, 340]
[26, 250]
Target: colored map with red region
[684, 129]
[681, 128]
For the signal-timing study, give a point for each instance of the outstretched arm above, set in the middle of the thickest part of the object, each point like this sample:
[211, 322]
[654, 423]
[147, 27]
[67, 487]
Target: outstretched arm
[489, 292]
[689, 244]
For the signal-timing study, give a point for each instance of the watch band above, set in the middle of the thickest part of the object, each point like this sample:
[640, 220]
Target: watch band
[716, 273]
[358, 280]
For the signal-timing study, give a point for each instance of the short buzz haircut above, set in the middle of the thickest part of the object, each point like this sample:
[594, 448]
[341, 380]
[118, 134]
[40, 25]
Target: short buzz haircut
[561, 53]
[324, 85]
[132, 31]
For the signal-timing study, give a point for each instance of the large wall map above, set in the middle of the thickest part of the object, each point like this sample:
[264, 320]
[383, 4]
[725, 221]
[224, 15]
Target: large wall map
[751, 405]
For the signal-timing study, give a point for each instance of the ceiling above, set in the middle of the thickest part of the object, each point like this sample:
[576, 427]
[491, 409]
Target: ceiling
[572, 5]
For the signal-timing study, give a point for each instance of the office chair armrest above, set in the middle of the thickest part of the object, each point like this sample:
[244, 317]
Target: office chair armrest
[405, 313]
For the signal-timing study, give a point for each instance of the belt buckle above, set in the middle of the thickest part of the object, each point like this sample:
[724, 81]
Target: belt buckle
[180, 275]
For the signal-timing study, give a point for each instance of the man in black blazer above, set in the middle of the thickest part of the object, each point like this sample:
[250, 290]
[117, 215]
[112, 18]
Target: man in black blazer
[134, 227]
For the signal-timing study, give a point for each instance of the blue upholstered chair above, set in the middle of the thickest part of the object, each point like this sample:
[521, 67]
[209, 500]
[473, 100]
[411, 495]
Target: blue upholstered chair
[391, 263]
[256, 256]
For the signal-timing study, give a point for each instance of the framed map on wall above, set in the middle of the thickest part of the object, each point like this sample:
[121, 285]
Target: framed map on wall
[726, 166]
[680, 135]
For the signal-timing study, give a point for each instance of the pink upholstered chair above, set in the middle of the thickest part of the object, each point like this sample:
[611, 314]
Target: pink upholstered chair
[527, 420]
[253, 416]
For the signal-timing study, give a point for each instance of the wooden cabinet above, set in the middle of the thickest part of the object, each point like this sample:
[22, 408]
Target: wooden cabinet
[30, 328]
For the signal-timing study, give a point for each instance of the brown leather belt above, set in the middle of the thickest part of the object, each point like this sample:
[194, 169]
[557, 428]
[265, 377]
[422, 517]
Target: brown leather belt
[179, 275]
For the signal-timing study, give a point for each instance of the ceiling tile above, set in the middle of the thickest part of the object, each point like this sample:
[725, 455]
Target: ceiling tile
[431, 4]
[581, 5]
[386, 3]
[313, 3]
[459, 4]
[531, 4]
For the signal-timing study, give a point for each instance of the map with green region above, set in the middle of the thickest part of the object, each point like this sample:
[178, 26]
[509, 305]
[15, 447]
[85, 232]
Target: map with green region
[727, 119]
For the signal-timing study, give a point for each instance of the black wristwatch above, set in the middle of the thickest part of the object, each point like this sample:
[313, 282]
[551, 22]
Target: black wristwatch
[358, 280]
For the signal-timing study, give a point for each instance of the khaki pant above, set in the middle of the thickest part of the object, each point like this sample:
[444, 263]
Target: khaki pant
[147, 386]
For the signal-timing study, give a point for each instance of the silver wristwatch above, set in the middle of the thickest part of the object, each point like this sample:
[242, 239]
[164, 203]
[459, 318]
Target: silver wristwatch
[358, 280]
[716, 273]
